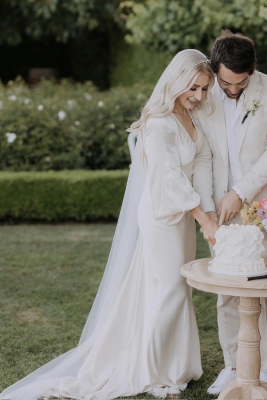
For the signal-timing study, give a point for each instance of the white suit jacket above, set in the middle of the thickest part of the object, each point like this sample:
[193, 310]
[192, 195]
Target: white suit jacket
[252, 143]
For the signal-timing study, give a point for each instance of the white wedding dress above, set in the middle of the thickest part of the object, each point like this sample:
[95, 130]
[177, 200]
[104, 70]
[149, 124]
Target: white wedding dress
[149, 338]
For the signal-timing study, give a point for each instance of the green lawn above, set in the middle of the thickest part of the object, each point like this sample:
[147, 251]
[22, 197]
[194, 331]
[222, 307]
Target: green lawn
[49, 276]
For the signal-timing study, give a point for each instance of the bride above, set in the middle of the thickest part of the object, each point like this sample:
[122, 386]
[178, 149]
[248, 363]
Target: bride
[141, 334]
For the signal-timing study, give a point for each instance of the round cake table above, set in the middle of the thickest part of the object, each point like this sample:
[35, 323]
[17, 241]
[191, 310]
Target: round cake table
[247, 385]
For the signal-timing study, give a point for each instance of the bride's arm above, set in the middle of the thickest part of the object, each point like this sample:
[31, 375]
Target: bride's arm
[170, 190]
[202, 179]
[208, 224]
[205, 214]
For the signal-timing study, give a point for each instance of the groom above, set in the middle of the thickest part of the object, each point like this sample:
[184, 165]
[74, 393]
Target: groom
[239, 148]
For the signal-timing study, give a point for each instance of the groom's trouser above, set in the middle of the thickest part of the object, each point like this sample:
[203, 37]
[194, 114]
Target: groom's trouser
[228, 322]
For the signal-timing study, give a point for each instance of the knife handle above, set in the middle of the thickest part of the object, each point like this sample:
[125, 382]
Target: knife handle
[253, 278]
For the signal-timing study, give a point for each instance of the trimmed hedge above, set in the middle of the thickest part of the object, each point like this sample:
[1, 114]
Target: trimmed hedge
[61, 196]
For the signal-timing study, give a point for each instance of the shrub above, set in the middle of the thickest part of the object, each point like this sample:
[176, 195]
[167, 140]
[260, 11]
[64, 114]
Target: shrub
[64, 195]
[66, 126]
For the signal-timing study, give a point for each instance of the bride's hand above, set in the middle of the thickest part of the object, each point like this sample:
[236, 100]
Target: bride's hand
[208, 223]
[209, 227]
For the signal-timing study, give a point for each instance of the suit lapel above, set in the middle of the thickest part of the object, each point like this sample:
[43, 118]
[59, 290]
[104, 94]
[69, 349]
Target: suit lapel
[219, 125]
[215, 123]
[252, 92]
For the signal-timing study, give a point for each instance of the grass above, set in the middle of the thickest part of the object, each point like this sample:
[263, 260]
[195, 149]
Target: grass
[49, 276]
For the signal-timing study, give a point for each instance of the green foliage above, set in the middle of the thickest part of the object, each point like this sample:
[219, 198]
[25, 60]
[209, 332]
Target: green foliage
[60, 19]
[134, 63]
[169, 25]
[66, 126]
[65, 195]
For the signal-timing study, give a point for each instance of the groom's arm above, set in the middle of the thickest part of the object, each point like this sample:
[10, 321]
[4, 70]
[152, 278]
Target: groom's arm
[249, 185]
[256, 178]
[202, 178]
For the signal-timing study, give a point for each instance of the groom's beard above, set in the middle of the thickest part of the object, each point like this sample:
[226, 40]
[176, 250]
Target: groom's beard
[233, 96]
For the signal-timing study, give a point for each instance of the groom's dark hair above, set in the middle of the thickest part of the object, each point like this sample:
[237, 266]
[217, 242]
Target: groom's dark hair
[235, 51]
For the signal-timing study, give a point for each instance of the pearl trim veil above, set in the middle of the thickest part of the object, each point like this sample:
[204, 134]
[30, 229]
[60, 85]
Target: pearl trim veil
[194, 65]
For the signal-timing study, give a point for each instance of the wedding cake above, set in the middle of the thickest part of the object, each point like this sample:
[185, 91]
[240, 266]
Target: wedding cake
[238, 250]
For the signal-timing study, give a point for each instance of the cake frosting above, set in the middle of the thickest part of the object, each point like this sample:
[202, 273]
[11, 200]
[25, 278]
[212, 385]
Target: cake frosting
[238, 250]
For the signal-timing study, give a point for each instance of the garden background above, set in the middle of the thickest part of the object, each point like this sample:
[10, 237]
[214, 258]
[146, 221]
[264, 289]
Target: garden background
[75, 74]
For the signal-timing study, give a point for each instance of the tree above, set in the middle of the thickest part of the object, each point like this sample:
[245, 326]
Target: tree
[169, 25]
[57, 19]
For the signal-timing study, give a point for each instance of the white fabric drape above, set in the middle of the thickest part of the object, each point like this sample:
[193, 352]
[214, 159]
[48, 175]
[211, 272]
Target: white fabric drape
[122, 249]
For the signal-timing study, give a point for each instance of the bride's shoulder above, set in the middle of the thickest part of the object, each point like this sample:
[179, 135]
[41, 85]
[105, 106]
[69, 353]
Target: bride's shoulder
[160, 124]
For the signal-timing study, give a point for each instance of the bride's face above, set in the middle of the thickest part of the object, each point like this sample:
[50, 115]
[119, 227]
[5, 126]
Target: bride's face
[195, 94]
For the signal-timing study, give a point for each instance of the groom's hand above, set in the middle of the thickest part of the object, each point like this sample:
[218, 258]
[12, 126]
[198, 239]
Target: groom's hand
[229, 207]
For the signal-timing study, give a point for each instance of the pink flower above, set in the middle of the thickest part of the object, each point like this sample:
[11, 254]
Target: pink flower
[262, 213]
[263, 204]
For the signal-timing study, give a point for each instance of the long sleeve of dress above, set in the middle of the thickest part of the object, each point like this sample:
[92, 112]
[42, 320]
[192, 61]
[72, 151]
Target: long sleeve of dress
[170, 190]
[202, 178]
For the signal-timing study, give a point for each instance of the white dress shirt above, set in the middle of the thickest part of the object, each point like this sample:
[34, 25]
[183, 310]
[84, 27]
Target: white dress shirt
[232, 114]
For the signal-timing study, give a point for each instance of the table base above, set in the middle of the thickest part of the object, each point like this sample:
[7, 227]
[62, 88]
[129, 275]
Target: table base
[247, 385]
[233, 391]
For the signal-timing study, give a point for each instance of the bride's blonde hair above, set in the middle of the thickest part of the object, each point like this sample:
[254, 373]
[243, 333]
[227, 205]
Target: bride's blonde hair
[177, 78]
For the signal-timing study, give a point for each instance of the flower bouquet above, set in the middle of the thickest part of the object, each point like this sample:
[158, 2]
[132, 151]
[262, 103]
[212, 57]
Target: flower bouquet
[256, 214]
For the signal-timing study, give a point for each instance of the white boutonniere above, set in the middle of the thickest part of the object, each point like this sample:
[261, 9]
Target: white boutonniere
[251, 106]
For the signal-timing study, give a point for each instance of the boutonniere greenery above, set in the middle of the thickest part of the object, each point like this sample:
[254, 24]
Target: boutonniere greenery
[251, 106]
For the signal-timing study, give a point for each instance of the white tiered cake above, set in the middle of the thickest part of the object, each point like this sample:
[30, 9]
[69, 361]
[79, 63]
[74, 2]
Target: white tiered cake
[238, 250]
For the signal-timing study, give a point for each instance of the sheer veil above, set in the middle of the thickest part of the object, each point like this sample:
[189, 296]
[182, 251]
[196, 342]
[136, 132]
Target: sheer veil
[37, 383]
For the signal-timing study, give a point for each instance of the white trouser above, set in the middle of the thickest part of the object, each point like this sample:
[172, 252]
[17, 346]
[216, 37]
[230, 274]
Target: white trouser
[228, 322]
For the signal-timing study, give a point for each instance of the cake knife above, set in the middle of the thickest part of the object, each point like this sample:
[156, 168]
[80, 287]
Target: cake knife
[253, 278]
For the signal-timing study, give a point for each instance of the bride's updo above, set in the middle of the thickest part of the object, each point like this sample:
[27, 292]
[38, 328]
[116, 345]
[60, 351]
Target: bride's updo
[178, 77]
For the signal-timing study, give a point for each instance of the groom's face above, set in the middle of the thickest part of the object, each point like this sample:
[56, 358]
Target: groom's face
[231, 83]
